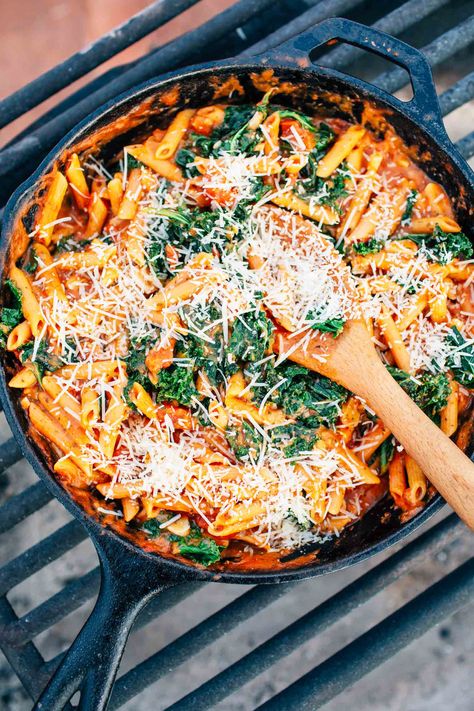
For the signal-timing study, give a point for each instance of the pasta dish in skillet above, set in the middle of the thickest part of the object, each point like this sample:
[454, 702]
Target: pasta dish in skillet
[143, 316]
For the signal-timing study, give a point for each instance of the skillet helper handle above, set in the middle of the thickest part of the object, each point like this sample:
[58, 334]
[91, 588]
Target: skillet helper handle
[444, 464]
[424, 106]
[126, 587]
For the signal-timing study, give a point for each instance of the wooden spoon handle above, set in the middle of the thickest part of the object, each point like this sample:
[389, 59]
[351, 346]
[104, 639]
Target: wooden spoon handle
[444, 464]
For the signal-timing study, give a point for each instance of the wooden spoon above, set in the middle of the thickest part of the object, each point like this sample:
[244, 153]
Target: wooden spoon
[351, 360]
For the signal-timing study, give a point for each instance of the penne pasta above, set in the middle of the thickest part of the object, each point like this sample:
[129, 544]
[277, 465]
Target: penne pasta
[394, 340]
[449, 413]
[339, 151]
[438, 200]
[397, 477]
[49, 276]
[173, 135]
[25, 378]
[326, 215]
[69, 403]
[90, 408]
[115, 414]
[129, 205]
[112, 369]
[271, 131]
[115, 193]
[411, 314]
[362, 196]
[165, 168]
[29, 303]
[385, 209]
[72, 261]
[18, 336]
[97, 216]
[424, 225]
[417, 484]
[77, 182]
[51, 207]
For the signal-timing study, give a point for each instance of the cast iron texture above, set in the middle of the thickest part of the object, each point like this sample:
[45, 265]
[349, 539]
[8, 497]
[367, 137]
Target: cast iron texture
[130, 575]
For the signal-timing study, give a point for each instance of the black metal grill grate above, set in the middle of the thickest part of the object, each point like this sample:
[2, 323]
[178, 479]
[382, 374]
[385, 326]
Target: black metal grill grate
[249, 26]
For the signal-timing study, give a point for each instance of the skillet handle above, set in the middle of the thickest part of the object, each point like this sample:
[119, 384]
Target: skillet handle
[423, 107]
[127, 585]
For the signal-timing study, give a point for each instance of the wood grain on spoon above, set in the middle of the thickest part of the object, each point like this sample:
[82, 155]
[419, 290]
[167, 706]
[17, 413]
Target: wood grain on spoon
[352, 361]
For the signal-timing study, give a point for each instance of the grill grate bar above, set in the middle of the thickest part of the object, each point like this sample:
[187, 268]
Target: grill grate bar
[394, 23]
[380, 643]
[283, 642]
[193, 641]
[466, 145]
[80, 63]
[20, 156]
[9, 454]
[75, 594]
[457, 94]
[321, 11]
[40, 555]
[23, 505]
[27, 662]
[442, 48]
[52, 610]
[159, 605]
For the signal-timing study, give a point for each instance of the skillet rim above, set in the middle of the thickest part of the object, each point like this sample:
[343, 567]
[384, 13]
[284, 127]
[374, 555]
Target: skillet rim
[169, 568]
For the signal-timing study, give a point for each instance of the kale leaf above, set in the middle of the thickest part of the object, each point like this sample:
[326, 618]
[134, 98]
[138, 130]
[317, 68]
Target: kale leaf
[325, 136]
[410, 204]
[334, 326]
[244, 440]
[294, 438]
[386, 452]
[428, 390]
[303, 524]
[461, 362]
[185, 159]
[30, 261]
[176, 383]
[69, 243]
[324, 191]
[203, 145]
[12, 315]
[208, 355]
[251, 336]
[369, 247]
[304, 395]
[444, 246]
[235, 118]
[259, 190]
[137, 371]
[233, 135]
[193, 230]
[43, 359]
[152, 527]
[15, 291]
[193, 546]
[206, 551]
[133, 162]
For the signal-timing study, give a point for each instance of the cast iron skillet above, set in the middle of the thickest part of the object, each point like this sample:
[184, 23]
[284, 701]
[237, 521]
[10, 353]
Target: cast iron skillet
[131, 576]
